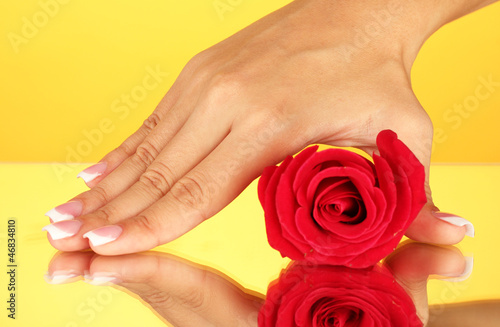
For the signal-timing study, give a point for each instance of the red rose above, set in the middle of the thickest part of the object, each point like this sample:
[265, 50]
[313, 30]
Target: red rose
[336, 207]
[337, 296]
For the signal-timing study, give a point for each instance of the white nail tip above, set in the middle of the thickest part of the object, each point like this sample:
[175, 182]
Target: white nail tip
[459, 221]
[57, 233]
[88, 177]
[469, 265]
[97, 240]
[57, 216]
[100, 280]
[60, 279]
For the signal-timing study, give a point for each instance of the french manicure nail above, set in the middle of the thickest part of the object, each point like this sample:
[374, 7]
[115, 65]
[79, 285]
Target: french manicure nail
[65, 211]
[100, 280]
[457, 221]
[469, 265]
[63, 229]
[103, 235]
[92, 172]
[61, 277]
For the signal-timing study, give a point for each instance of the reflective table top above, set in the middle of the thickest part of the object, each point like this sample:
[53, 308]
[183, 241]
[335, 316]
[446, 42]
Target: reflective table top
[218, 274]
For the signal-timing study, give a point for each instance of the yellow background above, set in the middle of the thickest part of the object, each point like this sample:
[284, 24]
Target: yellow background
[60, 85]
[60, 78]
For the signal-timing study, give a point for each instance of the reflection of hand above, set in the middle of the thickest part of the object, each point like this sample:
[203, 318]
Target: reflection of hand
[296, 77]
[362, 296]
[183, 293]
[413, 263]
[188, 295]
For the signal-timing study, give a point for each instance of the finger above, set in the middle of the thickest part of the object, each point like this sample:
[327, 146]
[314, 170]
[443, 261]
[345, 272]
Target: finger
[432, 226]
[68, 267]
[412, 264]
[96, 173]
[184, 293]
[415, 261]
[116, 157]
[198, 195]
[160, 131]
[189, 147]
[161, 128]
[429, 226]
[194, 142]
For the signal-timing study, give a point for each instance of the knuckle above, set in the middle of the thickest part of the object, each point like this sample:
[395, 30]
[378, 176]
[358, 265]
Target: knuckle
[224, 85]
[105, 213]
[101, 194]
[198, 68]
[157, 298]
[148, 224]
[195, 298]
[146, 153]
[197, 60]
[151, 122]
[158, 178]
[124, 150]
[190, 193]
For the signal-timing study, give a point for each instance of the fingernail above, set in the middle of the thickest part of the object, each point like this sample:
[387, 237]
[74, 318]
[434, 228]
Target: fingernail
[65, 211]
[92, 172]
[63, 229]
[100, 280]
[469, 265]
[457, 221]
[103, 235]
[61, 277]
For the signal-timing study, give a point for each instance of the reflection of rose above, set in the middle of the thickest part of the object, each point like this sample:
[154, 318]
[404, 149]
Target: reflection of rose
[336, 207]
[337, 296]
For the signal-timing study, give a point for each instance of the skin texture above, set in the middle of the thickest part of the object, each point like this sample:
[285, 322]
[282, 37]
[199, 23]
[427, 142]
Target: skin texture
[301, 75]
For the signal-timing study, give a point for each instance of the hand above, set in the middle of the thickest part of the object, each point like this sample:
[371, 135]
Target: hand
[295, 77]
[181, 292]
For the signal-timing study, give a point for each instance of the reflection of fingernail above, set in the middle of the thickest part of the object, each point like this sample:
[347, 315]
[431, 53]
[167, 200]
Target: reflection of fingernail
[65, 211]
[100, 280]
[63, 229]
[61, 277]
[92, 172]
[103, 235]
[457, 221]
[469, 264]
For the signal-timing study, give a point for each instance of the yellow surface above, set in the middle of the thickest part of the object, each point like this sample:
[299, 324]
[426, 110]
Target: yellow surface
[68, 65]
[233, 242]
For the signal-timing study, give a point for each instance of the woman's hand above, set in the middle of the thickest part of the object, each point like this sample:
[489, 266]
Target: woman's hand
[331, 72]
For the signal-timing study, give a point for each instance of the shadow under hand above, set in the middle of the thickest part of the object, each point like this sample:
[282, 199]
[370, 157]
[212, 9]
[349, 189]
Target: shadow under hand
[178, 291]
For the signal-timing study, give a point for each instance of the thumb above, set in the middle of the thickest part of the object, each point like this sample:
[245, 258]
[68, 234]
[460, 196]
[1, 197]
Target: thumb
[431, 225]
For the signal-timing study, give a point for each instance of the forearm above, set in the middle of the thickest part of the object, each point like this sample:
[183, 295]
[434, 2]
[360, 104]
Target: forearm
[430, 15]
[422, 18]
[397, 28]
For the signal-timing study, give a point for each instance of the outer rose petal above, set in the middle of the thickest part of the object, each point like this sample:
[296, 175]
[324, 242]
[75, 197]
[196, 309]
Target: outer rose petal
[392, 191]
